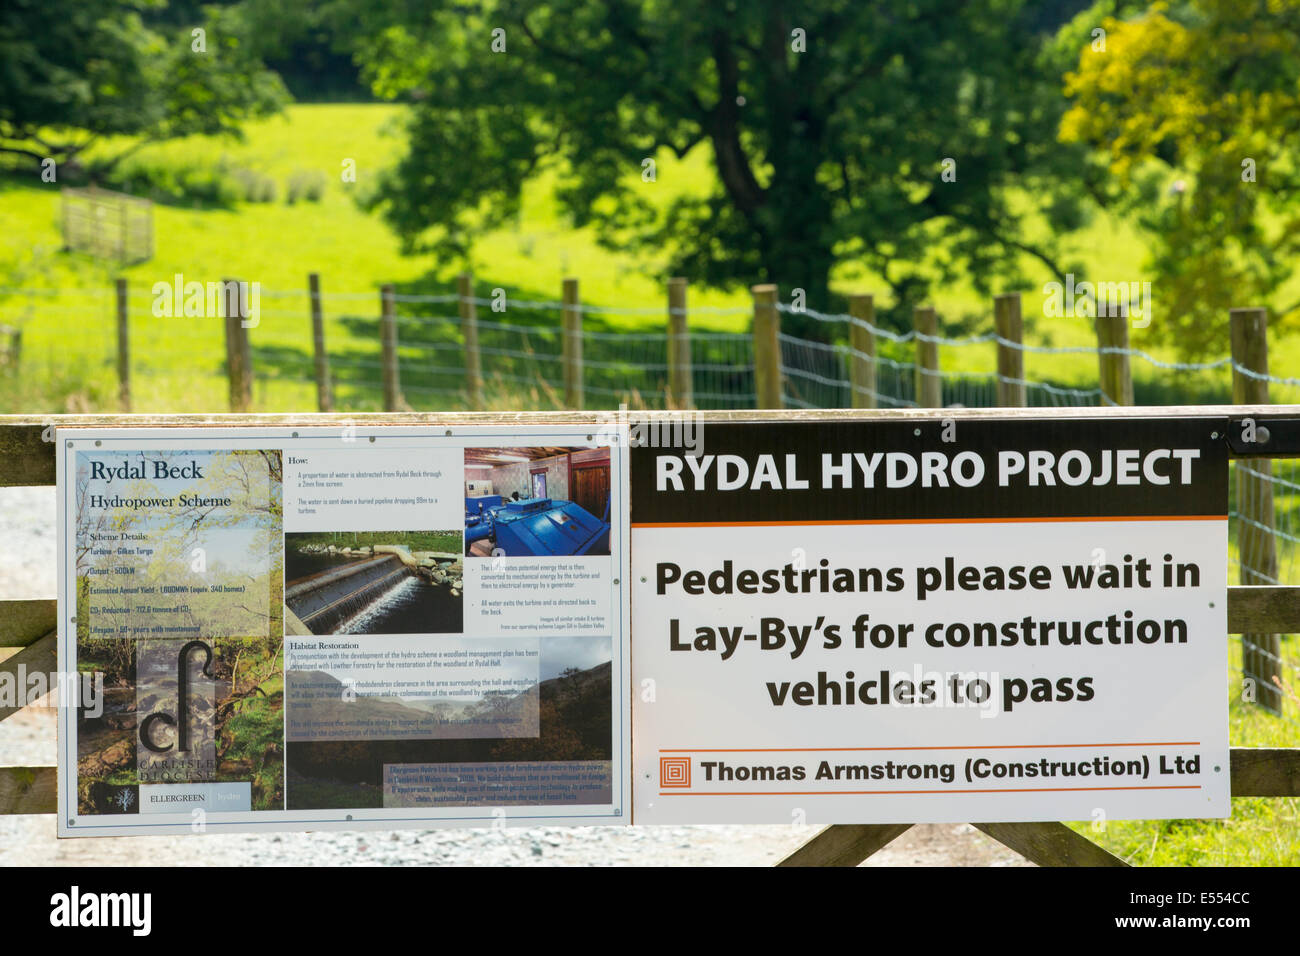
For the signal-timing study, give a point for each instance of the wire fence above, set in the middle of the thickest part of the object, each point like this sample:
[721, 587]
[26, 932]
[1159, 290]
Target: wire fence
[180, 349]
[625, 355]
[521, 347]
[1267, 552]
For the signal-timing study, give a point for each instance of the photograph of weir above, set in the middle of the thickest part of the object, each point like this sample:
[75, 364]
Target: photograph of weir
[536, 502]
[373, 582]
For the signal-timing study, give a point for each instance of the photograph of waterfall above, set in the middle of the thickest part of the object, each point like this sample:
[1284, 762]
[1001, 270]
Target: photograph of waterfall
[373, 582]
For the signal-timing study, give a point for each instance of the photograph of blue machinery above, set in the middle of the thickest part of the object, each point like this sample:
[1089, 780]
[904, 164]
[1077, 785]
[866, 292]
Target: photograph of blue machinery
[536, 502]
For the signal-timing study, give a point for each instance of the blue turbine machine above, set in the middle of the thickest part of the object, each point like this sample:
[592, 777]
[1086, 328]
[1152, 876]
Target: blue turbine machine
[535, 527]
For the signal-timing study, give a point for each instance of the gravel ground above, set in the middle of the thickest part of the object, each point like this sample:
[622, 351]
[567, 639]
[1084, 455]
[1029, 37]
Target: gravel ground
[27, 543]
[27, 569]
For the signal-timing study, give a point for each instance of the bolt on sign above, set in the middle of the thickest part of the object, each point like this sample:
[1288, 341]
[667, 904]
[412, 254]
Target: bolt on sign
[894, 621]
[324, 628]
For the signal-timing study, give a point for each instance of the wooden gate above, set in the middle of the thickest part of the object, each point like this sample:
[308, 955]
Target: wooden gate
[27, 458]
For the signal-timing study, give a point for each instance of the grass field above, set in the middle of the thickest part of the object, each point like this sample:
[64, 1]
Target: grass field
[68, 342]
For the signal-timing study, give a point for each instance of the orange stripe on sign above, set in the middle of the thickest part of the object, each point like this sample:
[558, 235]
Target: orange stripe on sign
[774, 750]
[812, 524]
[859, 793]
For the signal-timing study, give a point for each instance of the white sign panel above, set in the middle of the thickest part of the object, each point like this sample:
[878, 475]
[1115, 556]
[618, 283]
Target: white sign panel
[929, 622]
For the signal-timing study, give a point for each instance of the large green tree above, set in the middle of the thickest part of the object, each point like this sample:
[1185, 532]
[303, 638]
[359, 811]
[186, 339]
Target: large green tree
[828, 125]
[1196, 106]
[73, 72]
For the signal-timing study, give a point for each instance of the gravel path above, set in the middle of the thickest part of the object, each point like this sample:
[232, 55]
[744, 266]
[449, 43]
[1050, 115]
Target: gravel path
[27, 569]
[27, 555]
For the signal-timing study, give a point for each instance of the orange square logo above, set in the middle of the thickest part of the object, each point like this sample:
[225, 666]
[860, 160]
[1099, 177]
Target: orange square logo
[674, 771]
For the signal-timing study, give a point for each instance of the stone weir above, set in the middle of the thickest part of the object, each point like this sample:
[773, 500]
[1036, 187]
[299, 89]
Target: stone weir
[326, 599]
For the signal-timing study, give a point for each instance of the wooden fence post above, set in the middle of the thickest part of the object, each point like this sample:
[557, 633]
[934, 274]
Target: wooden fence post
[229, 291]
[1113, 366]
[929, 385]
[123, 348]
[239, 356]
[15, 357]
[767, 348]
[388, 347]
[122, 240]
[1011, 360]
[681, 393]
[1256, 544]
[572, 331]
[324, 394]
[469, 335]
[862, 343]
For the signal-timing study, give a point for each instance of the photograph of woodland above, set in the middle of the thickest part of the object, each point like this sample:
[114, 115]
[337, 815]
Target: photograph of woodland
[214, 573]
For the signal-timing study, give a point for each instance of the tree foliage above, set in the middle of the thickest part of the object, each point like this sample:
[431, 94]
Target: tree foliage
[72, 72]
[827, 125]
[1197, 107]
